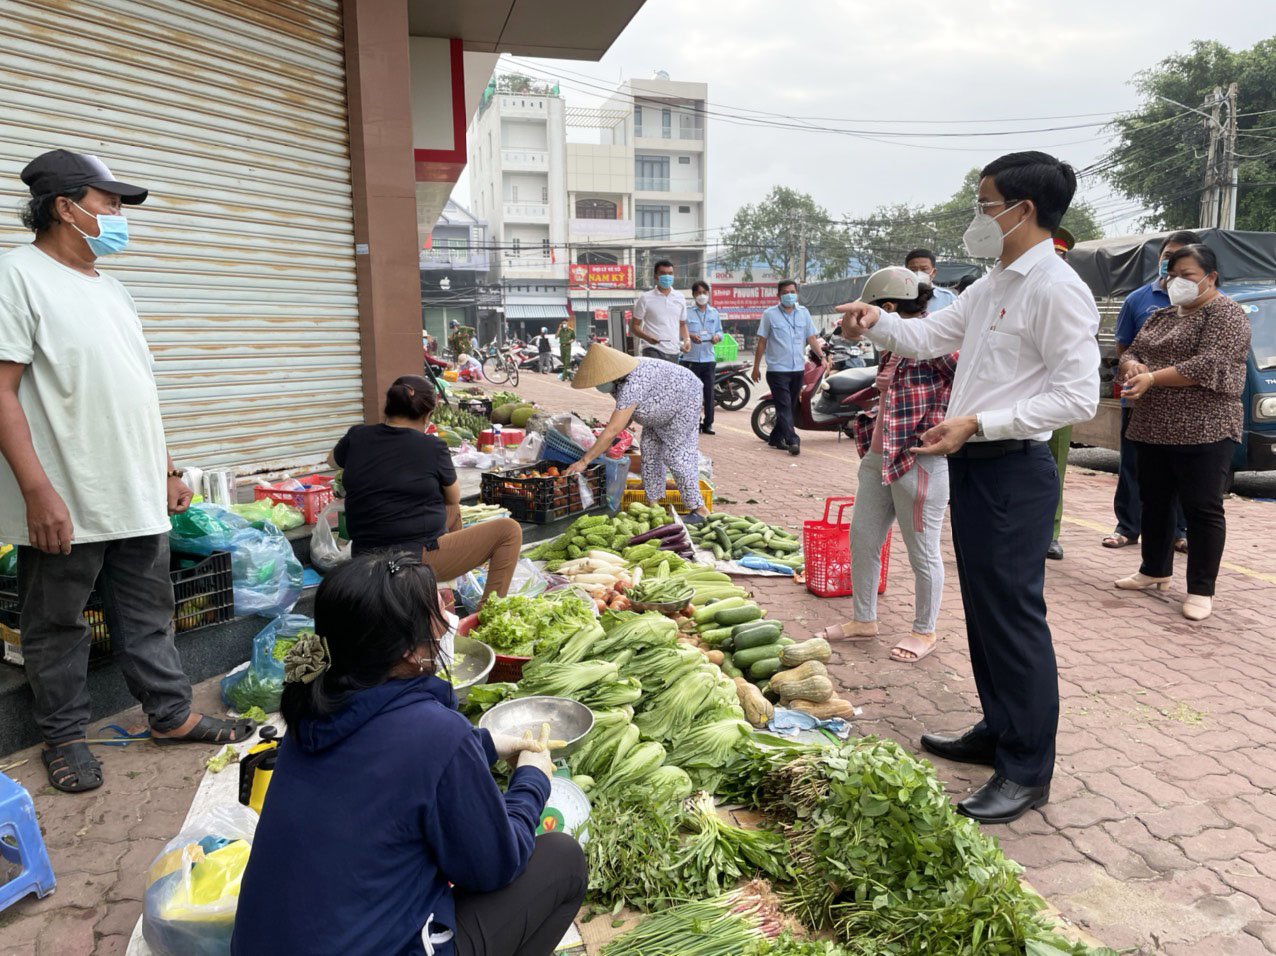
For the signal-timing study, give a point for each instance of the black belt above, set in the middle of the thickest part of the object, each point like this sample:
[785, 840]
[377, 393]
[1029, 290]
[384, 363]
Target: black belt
[979, 450]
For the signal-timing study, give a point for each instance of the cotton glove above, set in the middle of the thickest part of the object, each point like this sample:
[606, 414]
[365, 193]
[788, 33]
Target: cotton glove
[508, 747]
[540, 759]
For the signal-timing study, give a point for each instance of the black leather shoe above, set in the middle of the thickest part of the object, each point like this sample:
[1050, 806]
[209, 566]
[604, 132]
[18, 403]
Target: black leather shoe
[1055, 551]
[1001, 800]
[778, 446]
[795, 449]
[705, 429]
[970, 747]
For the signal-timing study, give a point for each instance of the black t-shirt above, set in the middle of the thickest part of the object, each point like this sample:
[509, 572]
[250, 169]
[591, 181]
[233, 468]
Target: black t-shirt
[543, 346]
[394, 480]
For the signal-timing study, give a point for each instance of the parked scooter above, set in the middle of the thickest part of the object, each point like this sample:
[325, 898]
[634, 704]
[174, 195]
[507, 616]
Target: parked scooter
[731, 391]
[827, 404]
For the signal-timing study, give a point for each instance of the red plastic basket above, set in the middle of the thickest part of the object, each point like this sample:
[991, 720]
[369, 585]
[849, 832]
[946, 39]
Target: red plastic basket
[309, 502]
[506, 668]
[826, 546]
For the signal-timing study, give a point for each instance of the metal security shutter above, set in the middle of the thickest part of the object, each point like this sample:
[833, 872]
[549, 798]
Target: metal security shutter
[233, 113]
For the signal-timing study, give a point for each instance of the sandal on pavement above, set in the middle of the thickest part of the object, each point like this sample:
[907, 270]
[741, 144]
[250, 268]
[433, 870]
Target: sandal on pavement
[212, 730]
[1180, 545]
[915, 644]
[71, 767]
[850, 631]
[1141, 582]
[1198, 607]
[1118, 541]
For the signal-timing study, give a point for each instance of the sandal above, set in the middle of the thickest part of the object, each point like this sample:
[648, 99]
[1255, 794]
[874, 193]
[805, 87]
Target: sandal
[846, 632]
[213, 730]
[1118, 541]
[71, 767]
[915, 645]
[1180, 545]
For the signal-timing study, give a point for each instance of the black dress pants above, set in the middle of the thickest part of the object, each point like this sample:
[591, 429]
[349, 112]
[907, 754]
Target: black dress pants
[1195, 475]
[1002, 517]
[706, 372]
[786, 389]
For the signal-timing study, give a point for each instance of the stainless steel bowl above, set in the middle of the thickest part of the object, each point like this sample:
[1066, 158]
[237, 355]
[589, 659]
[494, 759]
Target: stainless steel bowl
[477, 662]
[567, 719]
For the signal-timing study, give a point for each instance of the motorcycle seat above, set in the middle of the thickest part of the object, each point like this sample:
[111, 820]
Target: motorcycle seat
[851, 380]
[726, 367]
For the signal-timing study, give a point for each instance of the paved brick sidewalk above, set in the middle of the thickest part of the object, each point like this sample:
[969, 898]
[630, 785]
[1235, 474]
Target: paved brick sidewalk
[1161, 837]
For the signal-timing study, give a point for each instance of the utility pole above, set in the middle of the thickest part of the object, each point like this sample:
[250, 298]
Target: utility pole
[1210, 195]
[802, 251]
[1231, 164]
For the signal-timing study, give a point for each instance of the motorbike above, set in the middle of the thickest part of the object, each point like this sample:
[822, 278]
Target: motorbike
[530, 358]
[844, 354]
[731, 391]
[828, 403]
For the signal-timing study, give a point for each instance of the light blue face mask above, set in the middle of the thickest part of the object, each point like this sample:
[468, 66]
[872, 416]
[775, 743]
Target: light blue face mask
[665, 281]
[606, 387]
[788, 300]
[1163, 269]
[112, 233]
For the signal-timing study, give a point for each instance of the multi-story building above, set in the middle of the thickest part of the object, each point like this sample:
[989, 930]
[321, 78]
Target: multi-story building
[622, 187]
[454, 264]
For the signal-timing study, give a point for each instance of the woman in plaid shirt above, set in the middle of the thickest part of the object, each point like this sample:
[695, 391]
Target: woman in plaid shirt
[894, 483]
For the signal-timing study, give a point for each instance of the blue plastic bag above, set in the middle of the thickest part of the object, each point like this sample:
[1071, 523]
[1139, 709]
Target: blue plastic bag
[617, 475]
[265, 572]
[262, 682]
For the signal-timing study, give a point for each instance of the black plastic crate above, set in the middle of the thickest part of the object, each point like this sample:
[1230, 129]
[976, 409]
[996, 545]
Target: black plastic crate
[540, 500]
[202, 586]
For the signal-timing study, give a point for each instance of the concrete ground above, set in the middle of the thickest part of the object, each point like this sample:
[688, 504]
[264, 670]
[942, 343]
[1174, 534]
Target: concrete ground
[1161, 833]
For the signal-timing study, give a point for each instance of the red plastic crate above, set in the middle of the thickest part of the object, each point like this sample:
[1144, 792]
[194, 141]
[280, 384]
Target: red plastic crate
[509, 436]
[309, 502]
[507, 668]
[826, 547]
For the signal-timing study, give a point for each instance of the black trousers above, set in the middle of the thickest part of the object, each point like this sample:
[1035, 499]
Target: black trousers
[530, 916]
[786, 389]
[1196, 476]
[132, 578]
[1002, 518]
[706, 372]
[1126, 503]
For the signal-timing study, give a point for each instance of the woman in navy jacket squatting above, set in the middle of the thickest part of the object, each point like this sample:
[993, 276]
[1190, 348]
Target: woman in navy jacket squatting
[382, 796]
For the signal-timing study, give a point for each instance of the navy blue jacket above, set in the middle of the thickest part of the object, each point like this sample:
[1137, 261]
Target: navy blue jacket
[371, 812]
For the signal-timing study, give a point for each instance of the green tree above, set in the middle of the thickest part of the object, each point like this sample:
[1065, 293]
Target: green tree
[791, 233]
[885, 237]
[1160, 157]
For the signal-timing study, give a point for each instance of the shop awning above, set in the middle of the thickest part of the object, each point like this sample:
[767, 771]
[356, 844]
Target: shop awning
[544, 310]
[600, 300]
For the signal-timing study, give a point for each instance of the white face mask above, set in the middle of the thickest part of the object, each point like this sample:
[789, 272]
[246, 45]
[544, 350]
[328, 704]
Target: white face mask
[983, 238]
[923, 278]
[702, 300]
[1183, 291]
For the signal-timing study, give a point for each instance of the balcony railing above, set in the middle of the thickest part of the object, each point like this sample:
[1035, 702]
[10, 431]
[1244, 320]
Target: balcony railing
[611, 229]
[527, 210]
[665, 184]
[525, 158]
[464, 259]
[651, 232]
[668, 132]
[680, 237]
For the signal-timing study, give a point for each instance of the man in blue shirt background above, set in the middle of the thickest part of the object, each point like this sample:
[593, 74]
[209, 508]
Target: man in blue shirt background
[922, 261]
[783, 334]
[1138, 305]
[704, 328]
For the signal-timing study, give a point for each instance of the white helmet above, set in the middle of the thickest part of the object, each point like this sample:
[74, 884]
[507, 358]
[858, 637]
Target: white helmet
[893, 282]
[544, 331]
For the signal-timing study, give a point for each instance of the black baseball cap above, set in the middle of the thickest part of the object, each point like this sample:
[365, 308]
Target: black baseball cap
[61, 171]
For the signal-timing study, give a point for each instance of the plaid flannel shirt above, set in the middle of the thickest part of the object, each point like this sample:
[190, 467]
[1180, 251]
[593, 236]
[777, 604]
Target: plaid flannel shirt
[915, 400]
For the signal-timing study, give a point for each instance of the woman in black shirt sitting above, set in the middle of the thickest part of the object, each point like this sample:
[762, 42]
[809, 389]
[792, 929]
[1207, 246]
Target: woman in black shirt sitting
[402, 494]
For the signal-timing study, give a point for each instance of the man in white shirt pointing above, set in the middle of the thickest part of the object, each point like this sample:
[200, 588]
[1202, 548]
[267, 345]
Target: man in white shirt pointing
[1029, 365]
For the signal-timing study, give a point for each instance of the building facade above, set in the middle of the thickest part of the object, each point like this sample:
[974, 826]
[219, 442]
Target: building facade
[455, 260]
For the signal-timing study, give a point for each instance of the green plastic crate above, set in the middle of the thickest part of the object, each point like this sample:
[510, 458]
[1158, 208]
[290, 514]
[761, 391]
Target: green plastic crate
[728, 350]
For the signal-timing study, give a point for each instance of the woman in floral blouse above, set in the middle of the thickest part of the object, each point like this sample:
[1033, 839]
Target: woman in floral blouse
[1186, 369]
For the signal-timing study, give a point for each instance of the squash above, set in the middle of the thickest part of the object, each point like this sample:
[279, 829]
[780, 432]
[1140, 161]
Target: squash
[757, 709]
[816, 649]
[807, 681]
[825, 709]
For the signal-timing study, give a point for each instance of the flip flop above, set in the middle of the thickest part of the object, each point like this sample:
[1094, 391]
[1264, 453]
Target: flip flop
[212, 730]
[71, 767]
[914, 645]
[1117, 541]
[838, 632]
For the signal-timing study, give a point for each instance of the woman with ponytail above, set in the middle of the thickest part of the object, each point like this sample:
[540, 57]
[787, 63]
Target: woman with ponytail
[402, 493]
[383, 831]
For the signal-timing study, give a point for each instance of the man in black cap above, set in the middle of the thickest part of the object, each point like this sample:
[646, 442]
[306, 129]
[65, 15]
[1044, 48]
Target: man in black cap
[86, 483]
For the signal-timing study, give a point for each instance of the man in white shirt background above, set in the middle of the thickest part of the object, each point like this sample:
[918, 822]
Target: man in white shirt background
[1029, 365]
[660, 318]
[86, 483]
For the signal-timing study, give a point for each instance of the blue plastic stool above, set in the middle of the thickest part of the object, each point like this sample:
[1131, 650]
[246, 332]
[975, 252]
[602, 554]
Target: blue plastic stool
[22, 845]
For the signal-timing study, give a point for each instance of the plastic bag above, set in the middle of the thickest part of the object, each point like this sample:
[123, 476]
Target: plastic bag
[528, 579]
[259, 513]
[326, 552]
[529, 452]
[204, 528]
[265, 572]
[192, 887]
[468, 589]
[706, 468]
[586, 496]
[617, 477]
[568, 424]
[262, 682]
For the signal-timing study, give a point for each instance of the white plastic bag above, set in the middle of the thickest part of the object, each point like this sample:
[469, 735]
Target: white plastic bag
[529, 451]
[326, 551]
[586, 496]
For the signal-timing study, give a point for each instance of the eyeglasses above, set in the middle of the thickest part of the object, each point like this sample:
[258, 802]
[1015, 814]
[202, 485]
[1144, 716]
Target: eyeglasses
[980, 206]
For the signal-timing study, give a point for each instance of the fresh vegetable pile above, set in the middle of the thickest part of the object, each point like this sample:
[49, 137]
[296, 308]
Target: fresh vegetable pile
[520, 626]
[602, 532]
[729, 537]
[475, 514]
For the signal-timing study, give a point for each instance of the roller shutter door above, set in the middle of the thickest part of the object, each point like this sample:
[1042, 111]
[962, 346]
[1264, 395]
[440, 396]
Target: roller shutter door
[233, 113]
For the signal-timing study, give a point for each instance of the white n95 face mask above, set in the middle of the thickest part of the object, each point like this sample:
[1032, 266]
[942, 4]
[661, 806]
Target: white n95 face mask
[983, 238]
[1182, 291]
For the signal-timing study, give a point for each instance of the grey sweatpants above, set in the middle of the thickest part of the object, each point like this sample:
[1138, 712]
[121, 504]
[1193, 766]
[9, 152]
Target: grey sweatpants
[132, 577]
[917, 500]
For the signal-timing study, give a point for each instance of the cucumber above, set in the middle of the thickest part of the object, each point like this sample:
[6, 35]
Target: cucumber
[758, 637]
[715, 637]
[765, 667]
[710, 611]
[742, 629]
[729, 668]
[785, 642]
[729, 617]
[751, 655]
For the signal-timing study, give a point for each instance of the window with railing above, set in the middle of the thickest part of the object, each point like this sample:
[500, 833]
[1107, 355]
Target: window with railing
[651, 222]
[595, 209]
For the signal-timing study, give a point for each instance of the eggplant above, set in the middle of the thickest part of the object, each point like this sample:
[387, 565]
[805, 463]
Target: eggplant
[664, 531]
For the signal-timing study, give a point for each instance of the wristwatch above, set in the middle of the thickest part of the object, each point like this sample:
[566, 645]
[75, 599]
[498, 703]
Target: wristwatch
[174, 474]
[979, 427]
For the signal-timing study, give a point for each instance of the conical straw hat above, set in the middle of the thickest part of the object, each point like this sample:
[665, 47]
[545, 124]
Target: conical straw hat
[602, 363]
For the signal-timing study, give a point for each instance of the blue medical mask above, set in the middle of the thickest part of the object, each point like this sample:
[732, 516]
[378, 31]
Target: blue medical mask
[1163, 268]
[606, 387]
[788, 300]
[112, 233]
[665, 281]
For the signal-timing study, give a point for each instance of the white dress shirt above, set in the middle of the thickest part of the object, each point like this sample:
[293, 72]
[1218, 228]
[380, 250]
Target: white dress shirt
[662, 315]
[1029, 358]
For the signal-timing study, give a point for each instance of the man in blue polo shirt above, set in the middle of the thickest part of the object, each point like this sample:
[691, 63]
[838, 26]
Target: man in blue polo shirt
[1138, 305]
[704, 328]
[783, 334]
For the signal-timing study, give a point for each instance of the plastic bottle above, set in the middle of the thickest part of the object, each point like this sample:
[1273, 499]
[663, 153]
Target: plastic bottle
[499, 443]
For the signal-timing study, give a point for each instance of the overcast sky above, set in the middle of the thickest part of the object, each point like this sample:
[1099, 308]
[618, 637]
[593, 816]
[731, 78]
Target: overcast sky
[872, 61]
